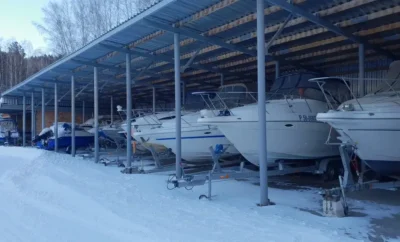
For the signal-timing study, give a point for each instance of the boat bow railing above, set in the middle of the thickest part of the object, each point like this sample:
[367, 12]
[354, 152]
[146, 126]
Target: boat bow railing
[225, 101]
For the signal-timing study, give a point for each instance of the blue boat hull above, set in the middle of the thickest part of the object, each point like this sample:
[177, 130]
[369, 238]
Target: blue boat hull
[64, 142]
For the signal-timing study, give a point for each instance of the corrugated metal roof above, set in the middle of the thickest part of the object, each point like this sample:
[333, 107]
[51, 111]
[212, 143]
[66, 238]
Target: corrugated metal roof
[232, 21]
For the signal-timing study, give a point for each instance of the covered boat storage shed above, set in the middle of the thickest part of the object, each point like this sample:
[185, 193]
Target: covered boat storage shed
[184, 45]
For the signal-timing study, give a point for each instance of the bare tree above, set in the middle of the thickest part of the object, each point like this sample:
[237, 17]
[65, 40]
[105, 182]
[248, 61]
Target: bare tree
[71, 24]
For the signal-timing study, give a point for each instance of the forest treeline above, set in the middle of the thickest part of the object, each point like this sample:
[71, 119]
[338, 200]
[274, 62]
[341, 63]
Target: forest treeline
[16, 66]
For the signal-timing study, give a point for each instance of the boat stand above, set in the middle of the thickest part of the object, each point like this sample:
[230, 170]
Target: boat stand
[107, 162]
[335, 200]
[192, 178]
[163, 161]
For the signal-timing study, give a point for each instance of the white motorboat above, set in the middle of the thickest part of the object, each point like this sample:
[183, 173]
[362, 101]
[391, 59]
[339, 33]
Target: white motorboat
[196, 138]
[8, 129]
[46, 138]
[103, 120]
[144, 120]
[371, 124]
[110, 131]
[148, 120]
[292, 130]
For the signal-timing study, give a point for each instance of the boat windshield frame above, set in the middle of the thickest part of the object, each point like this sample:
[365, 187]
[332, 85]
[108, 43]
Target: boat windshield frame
[275, 95]
[321, 81]
[217, 98]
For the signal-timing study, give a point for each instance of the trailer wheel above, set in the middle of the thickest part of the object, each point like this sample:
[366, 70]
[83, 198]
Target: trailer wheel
[331, 172]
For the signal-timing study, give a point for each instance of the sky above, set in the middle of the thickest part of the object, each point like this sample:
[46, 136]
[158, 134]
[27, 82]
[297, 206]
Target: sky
[16, 21]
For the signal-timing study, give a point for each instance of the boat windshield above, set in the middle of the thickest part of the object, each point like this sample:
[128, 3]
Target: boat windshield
[227, 97]
[298, 85]
[235, 95]
[193, 102]
[392, 81]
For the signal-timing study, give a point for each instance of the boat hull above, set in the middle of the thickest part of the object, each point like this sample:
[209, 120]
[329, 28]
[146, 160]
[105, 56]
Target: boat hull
[375, 137]
[66, 141]
[196, 142]
[292, 131]
[285, 140]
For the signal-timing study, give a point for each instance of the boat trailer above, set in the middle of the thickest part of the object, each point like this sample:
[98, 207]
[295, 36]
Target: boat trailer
[217, 173]
[334, 200]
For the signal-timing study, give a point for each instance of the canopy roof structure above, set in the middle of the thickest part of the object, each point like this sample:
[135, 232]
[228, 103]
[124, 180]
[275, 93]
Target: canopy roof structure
[218, 38]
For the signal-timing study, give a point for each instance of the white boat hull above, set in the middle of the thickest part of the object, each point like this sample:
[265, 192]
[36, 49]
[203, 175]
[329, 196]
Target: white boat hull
[286, 143]
[292, 130]
[196, 142]
[375, 137]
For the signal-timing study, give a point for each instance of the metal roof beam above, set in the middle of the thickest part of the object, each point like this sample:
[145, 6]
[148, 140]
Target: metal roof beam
[190, 61]
[37, 86]
[139, 53]
[199, 37]
[65, 94]
[142, 71]
[353, 4]
[215, 41]
[328, 25]
[110, 67]
[97, 65]
[278, 32]
[160, 58]
[53, 81]
[83, 88]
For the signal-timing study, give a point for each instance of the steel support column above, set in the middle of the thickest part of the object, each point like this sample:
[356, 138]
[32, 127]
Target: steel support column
[83, 111]
[128, 111]
[96, 114]
[112, 109]
[43, 110]
[264, 201]
[277, 70]
[154, 100]
[361, 59]
[183, 93]
[222, 79]
[24, 120]
[33, 116]
[177, 65]
[73, 117]
[55, 117]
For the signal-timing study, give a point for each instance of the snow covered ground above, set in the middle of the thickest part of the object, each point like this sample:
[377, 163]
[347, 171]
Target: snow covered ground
[53, 197]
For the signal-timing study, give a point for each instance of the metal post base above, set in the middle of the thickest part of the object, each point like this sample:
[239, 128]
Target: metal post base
[269, 203]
